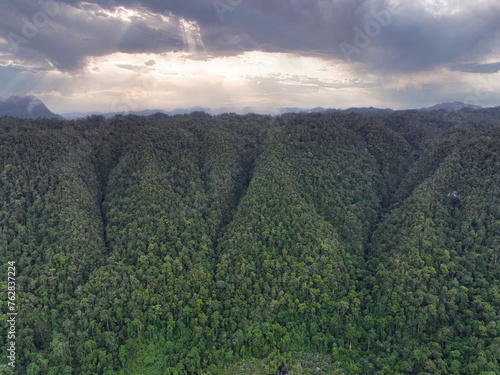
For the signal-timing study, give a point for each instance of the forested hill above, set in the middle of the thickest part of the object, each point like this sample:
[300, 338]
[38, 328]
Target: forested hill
[302, 244]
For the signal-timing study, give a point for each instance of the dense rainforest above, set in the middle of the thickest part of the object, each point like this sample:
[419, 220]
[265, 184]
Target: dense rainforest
[294, 244]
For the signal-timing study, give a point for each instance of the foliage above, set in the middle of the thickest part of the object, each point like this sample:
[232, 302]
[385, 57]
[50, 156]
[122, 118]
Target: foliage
[234, 244]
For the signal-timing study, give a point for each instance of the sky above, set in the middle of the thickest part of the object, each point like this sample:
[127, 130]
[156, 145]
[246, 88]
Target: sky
[250, 55]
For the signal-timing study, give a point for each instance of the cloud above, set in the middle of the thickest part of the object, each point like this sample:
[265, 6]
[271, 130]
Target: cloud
[260, 53]
[476, 68]
[384, 35]
[70, 34]
[387, 35]
[134, 68]
[17, 80]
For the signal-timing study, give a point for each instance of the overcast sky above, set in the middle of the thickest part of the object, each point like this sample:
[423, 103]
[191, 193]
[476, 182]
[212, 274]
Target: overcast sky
[258, 55]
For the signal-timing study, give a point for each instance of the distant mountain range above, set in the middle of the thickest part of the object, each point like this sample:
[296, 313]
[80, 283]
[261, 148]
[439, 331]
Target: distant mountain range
[32, 107]
[25, 107]
[147, 112]
[370, 111]
[362, 110]
[452, 107]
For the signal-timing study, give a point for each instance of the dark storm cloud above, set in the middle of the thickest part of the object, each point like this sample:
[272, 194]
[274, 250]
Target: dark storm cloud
[417, 41]
[65, 35]
[388, 36]
[402, 37]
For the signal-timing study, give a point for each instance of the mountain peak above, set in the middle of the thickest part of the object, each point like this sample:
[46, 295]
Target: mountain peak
[25, 107]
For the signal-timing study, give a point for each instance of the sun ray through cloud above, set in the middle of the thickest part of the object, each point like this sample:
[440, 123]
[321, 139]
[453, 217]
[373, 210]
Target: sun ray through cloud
[334, 53]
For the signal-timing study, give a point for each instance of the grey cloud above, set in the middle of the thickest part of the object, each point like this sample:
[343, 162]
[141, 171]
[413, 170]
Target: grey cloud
[307, 83]
[415, 41]
[477, 68]
[134, 68]
[67, 38]
[406, 41]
